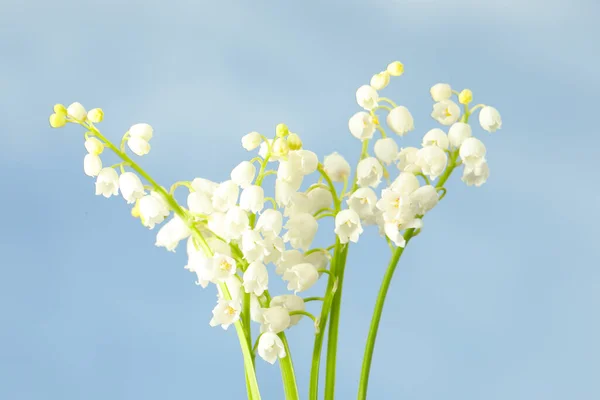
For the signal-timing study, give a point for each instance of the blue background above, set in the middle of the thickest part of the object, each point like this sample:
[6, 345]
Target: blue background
[497, 299]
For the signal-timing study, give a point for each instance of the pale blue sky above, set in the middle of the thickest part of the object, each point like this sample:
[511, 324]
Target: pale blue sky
[497, 299]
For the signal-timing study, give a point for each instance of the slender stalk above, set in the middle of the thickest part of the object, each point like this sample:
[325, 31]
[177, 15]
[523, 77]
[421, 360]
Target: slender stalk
[334, 327]
[287, 372]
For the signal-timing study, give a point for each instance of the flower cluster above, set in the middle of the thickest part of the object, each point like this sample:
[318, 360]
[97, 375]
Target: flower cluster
[238, 238]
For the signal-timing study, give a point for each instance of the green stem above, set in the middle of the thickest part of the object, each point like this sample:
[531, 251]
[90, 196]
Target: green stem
[332, 339]
[315, 298]
[387, 279]
[288, 375]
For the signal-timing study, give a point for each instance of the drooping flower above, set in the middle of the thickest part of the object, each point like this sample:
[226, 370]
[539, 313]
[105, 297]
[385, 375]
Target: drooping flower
[369, 172]
[380, 81]
[226, 312]
[199, 203]
[153, 209]
[236, 222]
[304, 160]
[298, 203]
[225, 196]
[347, 226]
[395, 68]
[336, 167]
[171, 233]
[436, 137]
[489, 119]
[290, 302]
[131, 186]
[440, 92]
[256, 278]
[367, 97]
[77, 112]
[386, 150]
[107, 182]
[270, 347]
[458, 133]
[405, 183]
[363, 202]
[142, 131]
[252, 199]
[400, 120]
[138, 146]
[270, 223]
[288, 259]
[301, 230]
[407, 160]
[476, 175]
[446, 112]
[223, 267]
[432, 160]
[275, 319]
[425, 197]
[472, 152]
[94, 146]
[319, 198]
[251, 141]
[92, 164]
[361, 125]
[243, 174]
[301, 277]
[252, 246]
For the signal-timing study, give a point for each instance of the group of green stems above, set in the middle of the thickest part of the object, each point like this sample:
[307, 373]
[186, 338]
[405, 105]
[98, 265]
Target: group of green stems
[330, 310]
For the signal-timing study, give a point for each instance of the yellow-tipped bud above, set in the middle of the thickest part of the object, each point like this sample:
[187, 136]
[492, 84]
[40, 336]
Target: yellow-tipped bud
[465, 97]
[135, 211]
[282, 130]
[96, 115]
[294, 142]
[60, 109]
[395, 68]
[280, 147]
[58, 120]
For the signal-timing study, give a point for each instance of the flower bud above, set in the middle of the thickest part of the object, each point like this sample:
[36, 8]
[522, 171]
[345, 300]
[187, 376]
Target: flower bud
[400, 120]
[281, 130]
[94, 146]
[395, 68]
[490, 119]
[96, 115]
[251, 141]
[77, 112]
[135, 211]
[92, 164]
[60, 109]
[138, 146]
[440, 92]
[294, 142]
[381, 80]
[275, 319]
[58, 120]
[465, 96]
[458, 132]
[280, 147]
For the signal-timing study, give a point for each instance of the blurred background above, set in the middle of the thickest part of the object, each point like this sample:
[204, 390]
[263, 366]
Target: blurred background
[498, 297]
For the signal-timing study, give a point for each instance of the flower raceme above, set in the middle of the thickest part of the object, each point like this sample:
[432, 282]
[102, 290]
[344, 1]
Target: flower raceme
[237, 236]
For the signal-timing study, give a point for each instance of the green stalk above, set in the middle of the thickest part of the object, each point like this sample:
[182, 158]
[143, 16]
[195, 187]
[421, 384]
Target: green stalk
[334, 327]
[287, 372]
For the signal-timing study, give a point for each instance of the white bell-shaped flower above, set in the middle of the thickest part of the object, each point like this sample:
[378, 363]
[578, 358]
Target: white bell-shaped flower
[458, 133]
[290, 173]
[319, 198]
[400, 120]
[252, 246]
[290, 302]
[252, 199]
[77, 111]
[336, 167]
[394, 234]
[223, 267]
[138, 146]
[256, 278]
[171, 233]
[386, 150]
[440, 92]
[153, 209]
[396, 206]
[226, 312]
[283, 192]
[446, 112]
[298, 203]
[476, 175]
[92, 164]
[107, 182]
[361, 125]
[131, 187]
[301, 277]
[199, 203]
[363, 202]
[432, 160]
[236, 222]
[381, 80]
[270, 223]
[275, 319]
[369, 172]
[405, 183]
[251, 141]
[367, 97]
[407, 160]
[270, 347]
[304, 160]
[472, 152]
[94, 146]
[347, 226]
[301, 230]
[436, 137]
[225, 196]
[489, 119]
[205, 186]
[142, 131]
[243, 174]
[273, 247]
[319, 259]
[288, 259]
[425, 197]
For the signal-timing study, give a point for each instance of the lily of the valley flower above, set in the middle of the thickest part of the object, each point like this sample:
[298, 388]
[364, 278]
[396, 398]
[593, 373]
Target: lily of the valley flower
[446, 112]
[290, 302]
[440, 92]
[361, 125]
[301, 230]
[472, 152]
[407, 160]
[336, 167]
[243, 174]
[275, 319]
[458, 133]
[153, 209]
[367, 97]
[256, 278]
[432, 160]
[489, 119]
[92, 164]
[436, 137]
[107, 182]
[476, 175]
[131, 186]
[347, 226]
[386, 150]
[226, 312]
[252, 199]
[251, 141]
[400, 120]
[171, 233]
[301, 277]
[270, 347]
[369, 172]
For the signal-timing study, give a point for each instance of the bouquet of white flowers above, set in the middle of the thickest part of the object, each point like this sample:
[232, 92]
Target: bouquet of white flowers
[238, 238]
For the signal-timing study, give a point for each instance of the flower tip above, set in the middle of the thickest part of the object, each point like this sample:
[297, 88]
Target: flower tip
[58, 120]
[96, 115]
[395, 68]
